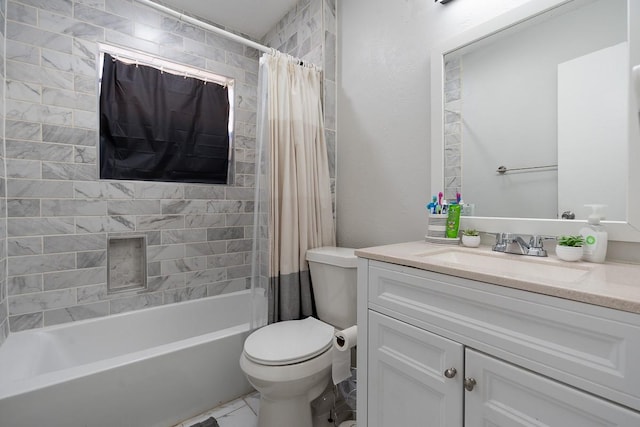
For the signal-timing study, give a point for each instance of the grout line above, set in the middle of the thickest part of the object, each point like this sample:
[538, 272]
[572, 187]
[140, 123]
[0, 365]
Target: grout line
[247, 403]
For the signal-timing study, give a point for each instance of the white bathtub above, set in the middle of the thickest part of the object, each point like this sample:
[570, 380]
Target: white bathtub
[154, 367]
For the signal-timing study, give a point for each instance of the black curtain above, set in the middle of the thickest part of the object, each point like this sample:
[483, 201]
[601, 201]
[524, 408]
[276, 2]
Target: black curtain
[157, 126]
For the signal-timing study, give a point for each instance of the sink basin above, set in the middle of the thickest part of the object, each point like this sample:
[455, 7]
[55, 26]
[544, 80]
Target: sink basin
[515, 266]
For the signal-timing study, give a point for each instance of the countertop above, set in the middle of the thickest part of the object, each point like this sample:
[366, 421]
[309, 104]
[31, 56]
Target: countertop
[612, 285]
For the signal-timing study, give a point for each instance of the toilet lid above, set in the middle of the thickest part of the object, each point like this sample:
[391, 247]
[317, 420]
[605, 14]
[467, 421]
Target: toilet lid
[292, 341]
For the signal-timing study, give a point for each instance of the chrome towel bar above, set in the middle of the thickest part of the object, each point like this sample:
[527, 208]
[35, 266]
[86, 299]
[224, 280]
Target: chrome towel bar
[503, 169]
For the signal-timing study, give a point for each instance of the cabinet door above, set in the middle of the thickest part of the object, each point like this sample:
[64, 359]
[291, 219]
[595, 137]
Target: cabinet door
[407, 383]
[508, 396]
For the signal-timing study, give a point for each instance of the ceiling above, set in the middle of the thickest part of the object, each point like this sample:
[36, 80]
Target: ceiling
[251, 17]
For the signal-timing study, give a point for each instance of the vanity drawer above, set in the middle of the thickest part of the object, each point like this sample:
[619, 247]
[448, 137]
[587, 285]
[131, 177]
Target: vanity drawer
[593, 348]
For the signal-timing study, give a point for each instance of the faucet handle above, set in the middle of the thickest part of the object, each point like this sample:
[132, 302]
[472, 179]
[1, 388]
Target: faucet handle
[501, 242]
[536, 240]
[536, 247]
[502, 238]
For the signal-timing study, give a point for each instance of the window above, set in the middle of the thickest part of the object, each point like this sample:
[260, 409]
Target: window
[161, 124]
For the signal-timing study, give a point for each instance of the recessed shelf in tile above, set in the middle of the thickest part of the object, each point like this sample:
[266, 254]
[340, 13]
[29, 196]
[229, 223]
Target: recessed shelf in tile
[127, 263]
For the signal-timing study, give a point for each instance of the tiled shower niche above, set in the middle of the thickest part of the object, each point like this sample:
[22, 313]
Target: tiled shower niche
[126, 264]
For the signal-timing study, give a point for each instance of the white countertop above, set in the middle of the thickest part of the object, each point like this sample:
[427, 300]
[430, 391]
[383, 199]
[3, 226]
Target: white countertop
[613, 285]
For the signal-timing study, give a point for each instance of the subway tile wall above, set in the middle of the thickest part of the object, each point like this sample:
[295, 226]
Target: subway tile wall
[59, 214]
[4, 322]
[56, 215]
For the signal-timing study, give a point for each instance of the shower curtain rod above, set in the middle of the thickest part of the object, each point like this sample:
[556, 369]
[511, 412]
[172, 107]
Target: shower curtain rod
[181, 16]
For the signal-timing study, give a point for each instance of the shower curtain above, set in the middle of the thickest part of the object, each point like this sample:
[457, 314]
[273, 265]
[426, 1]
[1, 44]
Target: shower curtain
[293, 209]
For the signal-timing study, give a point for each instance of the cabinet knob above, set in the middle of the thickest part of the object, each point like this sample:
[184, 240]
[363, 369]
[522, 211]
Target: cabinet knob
[469, 383]
[450, 373]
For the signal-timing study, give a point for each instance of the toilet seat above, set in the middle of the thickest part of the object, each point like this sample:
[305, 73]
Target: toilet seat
[289, 342]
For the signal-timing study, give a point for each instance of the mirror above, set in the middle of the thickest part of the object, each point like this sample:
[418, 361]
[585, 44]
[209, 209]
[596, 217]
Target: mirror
[532, 116]
[526, 108]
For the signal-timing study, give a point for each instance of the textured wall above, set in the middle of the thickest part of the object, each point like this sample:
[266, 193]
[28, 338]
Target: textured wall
[384, 111]
[60, 214]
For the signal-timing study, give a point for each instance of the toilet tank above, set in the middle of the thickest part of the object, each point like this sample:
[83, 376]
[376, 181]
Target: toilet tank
[333, 277]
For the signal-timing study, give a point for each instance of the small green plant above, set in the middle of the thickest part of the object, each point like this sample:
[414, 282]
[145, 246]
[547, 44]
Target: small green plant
[470, 232]
[574, 241]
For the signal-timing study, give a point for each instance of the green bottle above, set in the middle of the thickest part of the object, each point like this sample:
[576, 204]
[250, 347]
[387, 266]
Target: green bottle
[453, 221]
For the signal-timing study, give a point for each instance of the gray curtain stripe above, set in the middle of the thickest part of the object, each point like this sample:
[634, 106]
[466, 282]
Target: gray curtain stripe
[291, 297]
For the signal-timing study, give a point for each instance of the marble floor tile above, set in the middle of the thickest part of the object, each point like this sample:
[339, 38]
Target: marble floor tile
[243, 417]
[236, 413]
[253, 400]
[243, 412]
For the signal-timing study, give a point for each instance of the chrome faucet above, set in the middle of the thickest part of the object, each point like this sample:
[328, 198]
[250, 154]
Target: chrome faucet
[514, 244]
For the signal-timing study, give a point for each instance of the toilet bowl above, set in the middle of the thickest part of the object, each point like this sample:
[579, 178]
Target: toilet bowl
[288, 376]
[289, 362]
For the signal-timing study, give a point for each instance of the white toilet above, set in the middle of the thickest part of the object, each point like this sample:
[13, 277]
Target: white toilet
[289, 363]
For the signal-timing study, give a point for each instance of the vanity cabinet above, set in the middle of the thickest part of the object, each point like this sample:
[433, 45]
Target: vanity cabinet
[406, 381]
[527, 359]
[507, 395]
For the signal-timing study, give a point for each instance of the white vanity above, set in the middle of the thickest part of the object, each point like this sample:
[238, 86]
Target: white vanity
[451, 336]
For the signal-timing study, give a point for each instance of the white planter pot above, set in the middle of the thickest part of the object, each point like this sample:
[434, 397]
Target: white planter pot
[471, 241]
[569, 253]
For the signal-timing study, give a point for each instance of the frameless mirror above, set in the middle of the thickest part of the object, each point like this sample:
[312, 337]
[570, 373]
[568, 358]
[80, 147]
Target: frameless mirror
[532, 117]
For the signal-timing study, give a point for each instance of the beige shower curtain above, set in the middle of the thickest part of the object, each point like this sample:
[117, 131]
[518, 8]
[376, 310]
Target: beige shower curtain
[300, 207]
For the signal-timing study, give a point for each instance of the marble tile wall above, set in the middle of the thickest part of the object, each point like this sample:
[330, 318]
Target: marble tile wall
[308, 32]
[59, 214]
[452, 128]
[4, 322]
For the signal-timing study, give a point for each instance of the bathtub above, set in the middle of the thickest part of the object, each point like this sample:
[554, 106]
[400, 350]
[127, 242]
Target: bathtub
[153, 367]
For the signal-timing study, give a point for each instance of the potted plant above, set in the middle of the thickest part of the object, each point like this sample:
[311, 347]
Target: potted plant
[569, 248]
[470, 238]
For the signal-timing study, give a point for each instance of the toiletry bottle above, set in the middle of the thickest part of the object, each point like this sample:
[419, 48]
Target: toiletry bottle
[595, 236]
[453, 221]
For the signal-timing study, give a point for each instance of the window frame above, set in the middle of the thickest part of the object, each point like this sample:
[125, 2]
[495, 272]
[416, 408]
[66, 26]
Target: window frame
[132, 56]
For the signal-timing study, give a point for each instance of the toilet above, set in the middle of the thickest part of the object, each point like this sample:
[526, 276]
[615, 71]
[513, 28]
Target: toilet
[289, 362]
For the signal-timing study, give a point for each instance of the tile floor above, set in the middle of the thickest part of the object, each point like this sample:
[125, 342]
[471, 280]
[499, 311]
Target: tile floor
[238, 413]
[243, 412]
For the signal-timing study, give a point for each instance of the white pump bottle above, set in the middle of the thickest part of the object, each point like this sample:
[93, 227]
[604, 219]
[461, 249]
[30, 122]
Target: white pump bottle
[595, 236]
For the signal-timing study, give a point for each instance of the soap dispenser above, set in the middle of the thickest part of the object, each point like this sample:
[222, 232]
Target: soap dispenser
[595, 236]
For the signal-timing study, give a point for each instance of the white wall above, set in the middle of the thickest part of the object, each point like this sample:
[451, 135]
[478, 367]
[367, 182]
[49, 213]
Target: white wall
[383, 111]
